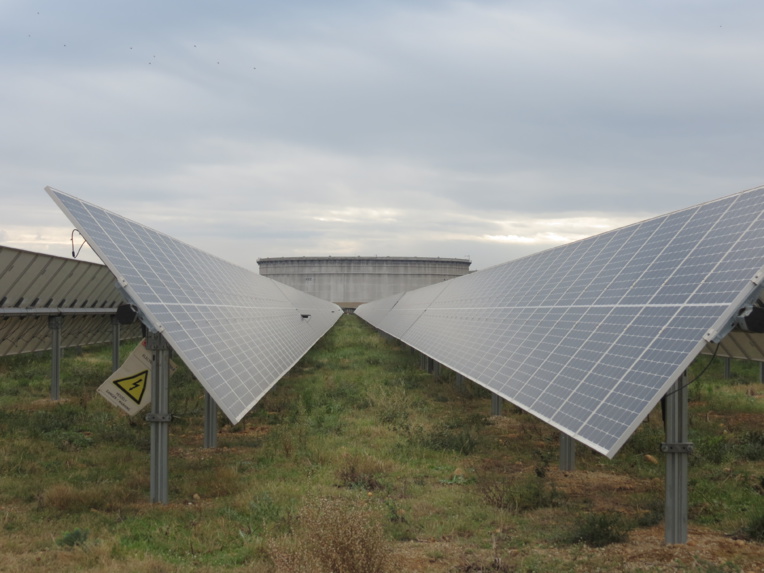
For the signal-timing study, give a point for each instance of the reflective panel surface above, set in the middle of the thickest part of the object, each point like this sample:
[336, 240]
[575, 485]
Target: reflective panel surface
[238, 332]
[588, 336]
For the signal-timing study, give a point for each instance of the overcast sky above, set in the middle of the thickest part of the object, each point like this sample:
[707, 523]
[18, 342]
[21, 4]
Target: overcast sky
[487, 129]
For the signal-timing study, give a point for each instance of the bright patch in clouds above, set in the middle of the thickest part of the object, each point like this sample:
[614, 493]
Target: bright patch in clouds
[50, 240]
[358, 215]
[556, 231]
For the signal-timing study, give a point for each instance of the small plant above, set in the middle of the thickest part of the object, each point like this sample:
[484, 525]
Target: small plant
[70, 441]
[74, 538]
[712, 449]
[394, 513]
[360, 471]
[457, 479]
[754, 529]
[650, 510]
[751, 446]
[600, 529]
[393, 405]
[459, 437]
[517, 493]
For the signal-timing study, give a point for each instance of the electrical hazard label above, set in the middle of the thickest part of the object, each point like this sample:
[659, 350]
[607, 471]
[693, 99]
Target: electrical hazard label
[134, 386]
[129, 388]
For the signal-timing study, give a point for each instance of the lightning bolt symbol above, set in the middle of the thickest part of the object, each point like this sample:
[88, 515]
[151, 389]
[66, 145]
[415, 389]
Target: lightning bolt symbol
[135, 385]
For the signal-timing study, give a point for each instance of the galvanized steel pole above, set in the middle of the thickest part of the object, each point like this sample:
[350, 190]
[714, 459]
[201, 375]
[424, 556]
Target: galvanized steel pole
[677, 449]
[567, 453]
[210, 422]
[159, 417]
[54, 322]
[115, 340]
[496, 404]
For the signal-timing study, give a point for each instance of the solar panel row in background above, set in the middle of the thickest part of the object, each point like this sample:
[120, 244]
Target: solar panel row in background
[238, 332]
[588, 336]
[35, 285]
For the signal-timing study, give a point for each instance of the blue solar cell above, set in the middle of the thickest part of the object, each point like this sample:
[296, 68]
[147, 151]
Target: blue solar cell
[588, 336]
[237, 331]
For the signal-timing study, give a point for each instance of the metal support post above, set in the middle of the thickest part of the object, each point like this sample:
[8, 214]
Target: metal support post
[159, 417]
[54, 322]
[761, 372]
[423, 361]
[210, 422]
[677, 449]
[436, 368]
[727, 368]
[567, 453]
[496, 403]
[115, 339]
[459, 381]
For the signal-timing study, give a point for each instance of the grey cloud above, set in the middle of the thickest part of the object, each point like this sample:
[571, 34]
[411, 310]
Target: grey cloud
[490, 110]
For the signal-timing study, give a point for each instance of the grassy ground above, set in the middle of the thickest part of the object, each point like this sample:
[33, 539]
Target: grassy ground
[357, 461]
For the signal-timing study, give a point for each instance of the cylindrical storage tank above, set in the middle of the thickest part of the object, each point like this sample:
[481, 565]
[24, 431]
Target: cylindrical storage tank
[350, 281]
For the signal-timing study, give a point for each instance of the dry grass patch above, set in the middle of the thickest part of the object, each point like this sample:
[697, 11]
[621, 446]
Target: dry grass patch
[334, 536]
[362, 471]
[104, 497]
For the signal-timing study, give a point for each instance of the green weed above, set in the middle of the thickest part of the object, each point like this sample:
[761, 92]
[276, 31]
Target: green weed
[600, 529]
[750, 445]
[74, 538]
[754, 529]
[516, 493]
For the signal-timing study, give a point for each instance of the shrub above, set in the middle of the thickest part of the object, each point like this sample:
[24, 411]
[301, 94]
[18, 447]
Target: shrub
[516, 493]
[73, 538]
[754, 529]
[333, 536]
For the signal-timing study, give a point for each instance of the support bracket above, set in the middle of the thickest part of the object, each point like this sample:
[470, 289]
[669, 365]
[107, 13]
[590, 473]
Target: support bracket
[683, 448]
[160, 418]
[155, 341]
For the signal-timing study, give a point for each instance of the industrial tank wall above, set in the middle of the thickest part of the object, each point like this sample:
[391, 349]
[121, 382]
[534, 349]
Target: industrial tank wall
[350, 281]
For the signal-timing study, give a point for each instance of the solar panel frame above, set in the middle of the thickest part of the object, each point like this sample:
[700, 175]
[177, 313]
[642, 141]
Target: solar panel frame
[588, 336]
[237, 331]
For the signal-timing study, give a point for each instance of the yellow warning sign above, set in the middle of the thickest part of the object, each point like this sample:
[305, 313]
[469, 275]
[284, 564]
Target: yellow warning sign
[129, 388]
[133, 386]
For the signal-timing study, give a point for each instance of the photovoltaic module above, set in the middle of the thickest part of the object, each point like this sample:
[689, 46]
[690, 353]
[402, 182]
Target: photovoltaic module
[238, 332]
[590, 335]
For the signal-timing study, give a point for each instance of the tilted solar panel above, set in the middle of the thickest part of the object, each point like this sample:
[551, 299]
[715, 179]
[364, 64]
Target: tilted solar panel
[34, 286]
[238, 332]
[588, 336]
[31, 280]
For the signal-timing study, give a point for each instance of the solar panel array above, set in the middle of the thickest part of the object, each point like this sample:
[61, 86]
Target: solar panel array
[238, 332]
[588, 336]
[35, 285]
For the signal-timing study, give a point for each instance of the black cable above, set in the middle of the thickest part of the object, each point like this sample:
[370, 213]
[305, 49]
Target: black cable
[75, 255]
[713, 356]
